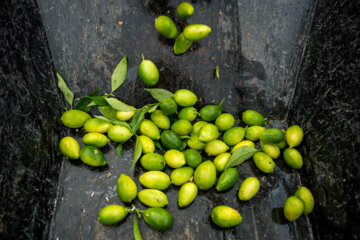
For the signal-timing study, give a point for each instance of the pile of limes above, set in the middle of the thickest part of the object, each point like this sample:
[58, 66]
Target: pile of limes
[186, 133]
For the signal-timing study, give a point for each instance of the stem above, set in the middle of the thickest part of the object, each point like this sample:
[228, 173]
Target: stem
[143, 58]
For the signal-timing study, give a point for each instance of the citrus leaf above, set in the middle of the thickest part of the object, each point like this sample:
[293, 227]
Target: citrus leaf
[99, 101]
[119, 74]
[159, 94]
[121, 123]
[157, 144]
[240, 155]
[108, 112]
[68, 94]
[119, 105]
[85, 101]
[137, 151]
[115, 122]
[137, 234]
[119, 150]
[140, 115]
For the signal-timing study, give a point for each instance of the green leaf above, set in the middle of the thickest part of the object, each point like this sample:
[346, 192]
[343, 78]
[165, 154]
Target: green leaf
[85, 101]
[137, 151]
[103, 118]
[119, 105]
[108, 112]
[153, 108]
[140, 115]
[119, 74]
[121, 123]
[99, 101]
[137, 234]
[217, 72]
[157, 144]
[115, 122]
[240, 155]
[119, 150]
[159, 94]
[68, 94]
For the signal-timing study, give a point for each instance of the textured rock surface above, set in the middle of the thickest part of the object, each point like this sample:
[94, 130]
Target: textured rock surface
[327, 104]
[30, 106]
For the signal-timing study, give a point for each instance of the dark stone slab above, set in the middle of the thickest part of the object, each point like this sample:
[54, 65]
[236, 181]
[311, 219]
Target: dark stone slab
[30, 104]
[327, 104]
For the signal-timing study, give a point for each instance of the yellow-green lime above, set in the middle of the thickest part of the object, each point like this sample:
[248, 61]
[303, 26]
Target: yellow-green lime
[69, 147]
[126, 188]
[112, 214]
[293, 208]
[174, 158]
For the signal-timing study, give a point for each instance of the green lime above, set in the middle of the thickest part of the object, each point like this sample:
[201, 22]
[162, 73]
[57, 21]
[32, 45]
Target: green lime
[249, 188]
[166, 27]
[187, 194]
[126, 188]
[181, 44]
[221, 160]
[294, 135]
[148, 128]
[153, 161]
[227, 179]
[69, 147]
[253, 133]
[185, 98]
[97, 125]
[147, 144]
[253, 118]
[205, 175]
[196, 32]
[271, 149]
[293, 208]
[158, 218]
[171, 140]
[225, 217]
[153, 198]
[225, 121]
[194, 143]
[95, 139]
[234, 135]
[182, 127]
[308, 199]
[211, 112]
[160, 119]
[181, 175]
[293, 158]
[119, 133]
[185, 10]
[208, 133]
[155, 180]
[74, 118]
[216, 147]
[264, 162]
[168, 106]
[174, 158]
[112, 214]
[92, 156]
[193, 157]
[125, 116]
[188, 113]
[149, 73]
